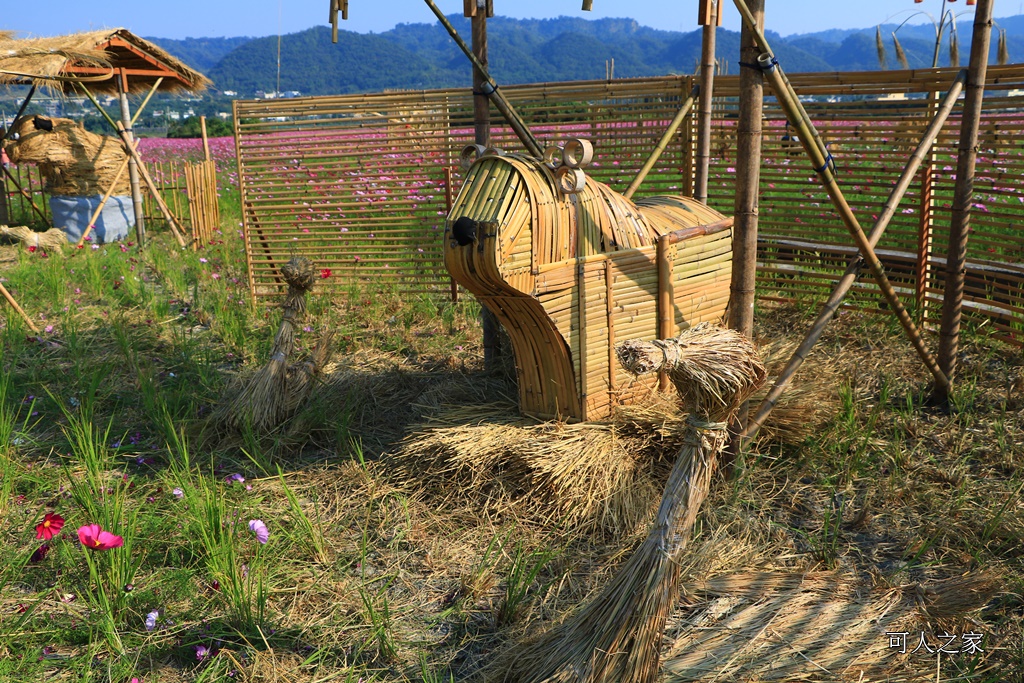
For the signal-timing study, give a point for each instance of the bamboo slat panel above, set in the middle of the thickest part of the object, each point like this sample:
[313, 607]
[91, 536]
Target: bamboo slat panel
[203, 205]
[358, 182]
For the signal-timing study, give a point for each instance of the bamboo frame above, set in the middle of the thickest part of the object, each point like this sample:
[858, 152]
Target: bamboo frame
[922, 150]
[818, 155]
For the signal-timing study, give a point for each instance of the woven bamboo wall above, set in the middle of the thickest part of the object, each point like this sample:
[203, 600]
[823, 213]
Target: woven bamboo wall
[359, 183]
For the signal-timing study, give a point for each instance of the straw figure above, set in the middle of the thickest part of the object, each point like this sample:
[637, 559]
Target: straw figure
[51, 240]
[277, 389]
[617, 637]
[75, 162]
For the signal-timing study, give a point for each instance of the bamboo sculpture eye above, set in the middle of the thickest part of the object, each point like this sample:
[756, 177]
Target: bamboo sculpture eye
[464, 231]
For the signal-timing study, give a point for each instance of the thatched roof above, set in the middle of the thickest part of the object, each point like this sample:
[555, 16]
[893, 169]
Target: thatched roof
[94, 58]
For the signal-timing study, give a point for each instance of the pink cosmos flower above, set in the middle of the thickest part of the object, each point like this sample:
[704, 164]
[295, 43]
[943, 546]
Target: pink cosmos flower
[260, 529]
[50, 526]
[94, 537]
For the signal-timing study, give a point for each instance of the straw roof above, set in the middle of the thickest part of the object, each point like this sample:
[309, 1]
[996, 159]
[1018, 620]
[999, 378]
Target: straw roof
[94, 57]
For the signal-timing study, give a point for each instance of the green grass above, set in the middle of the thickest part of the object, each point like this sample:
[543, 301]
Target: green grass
[365, 577]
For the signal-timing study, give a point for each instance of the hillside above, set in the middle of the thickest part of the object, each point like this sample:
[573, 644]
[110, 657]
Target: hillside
[529, 51]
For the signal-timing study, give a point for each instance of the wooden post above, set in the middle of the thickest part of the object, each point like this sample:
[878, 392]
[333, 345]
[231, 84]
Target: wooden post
[5, 213]
[745, 207]
[482, 136]
[710, 17]
[206, 140]
[133, 167]
[666, 298]
[963, 195]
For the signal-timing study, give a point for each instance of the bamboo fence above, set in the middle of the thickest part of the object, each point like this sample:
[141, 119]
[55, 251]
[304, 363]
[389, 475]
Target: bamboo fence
[204, 209]
[358, 183]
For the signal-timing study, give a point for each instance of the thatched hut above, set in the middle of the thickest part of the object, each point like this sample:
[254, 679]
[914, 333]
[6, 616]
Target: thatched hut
[96, 57]
[81, 167]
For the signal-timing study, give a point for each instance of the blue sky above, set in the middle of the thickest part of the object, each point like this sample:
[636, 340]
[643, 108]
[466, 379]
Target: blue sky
[202, 18]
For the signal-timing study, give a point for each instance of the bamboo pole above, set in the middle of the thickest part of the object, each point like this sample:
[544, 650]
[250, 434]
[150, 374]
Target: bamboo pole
[103, 200]
[849, 277]
[491, 88]
[133, 170]
[684, 109]
[206, 140]
[963, 194]
[743, 279]
[149, 95]
[815, 149]
[709, 14]
[666, 298]
[16, 307]
[25, 194]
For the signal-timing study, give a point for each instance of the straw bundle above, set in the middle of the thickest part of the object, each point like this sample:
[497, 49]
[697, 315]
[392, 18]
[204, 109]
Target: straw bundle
[617, 636]
[277, 389]
[76, 163]
[53, 239]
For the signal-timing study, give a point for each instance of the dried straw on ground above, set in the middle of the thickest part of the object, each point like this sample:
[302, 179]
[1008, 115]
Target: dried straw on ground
[617, 636]
[75, 162]
[779, 626]
[591, 477]
[53, 239]
[275, 392]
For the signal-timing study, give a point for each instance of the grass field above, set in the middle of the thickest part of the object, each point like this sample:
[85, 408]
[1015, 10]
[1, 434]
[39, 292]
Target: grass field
[345, 548]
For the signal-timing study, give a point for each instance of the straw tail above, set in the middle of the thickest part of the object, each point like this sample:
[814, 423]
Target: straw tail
[268, 398]
[617, 636]
[954, 48]
[880, 47]
[901, 56]
[1003, 49]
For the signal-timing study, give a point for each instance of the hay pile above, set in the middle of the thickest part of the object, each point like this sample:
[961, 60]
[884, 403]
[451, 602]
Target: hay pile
[593, 477]
[75, 162]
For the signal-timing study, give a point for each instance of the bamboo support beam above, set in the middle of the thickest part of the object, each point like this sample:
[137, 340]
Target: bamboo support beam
[684, 109]
[820, 159]
[491, 88]
[142, 107]
[963, 194]
[168, 216]
[16, 307]
[709, 16]
[849, 277]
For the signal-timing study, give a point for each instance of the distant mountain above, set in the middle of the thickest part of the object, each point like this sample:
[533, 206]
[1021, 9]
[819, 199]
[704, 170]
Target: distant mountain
[533, 50]
[202, 54]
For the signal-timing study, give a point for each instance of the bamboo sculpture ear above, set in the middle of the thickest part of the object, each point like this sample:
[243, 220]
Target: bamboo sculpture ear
[464, 231]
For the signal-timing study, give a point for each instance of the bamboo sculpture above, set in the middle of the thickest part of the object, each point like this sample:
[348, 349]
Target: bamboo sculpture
[617, 636]
[569, 266]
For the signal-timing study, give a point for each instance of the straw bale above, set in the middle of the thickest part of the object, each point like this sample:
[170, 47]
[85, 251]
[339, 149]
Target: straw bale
[53, 239]
[76, 163]
[45, 61]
